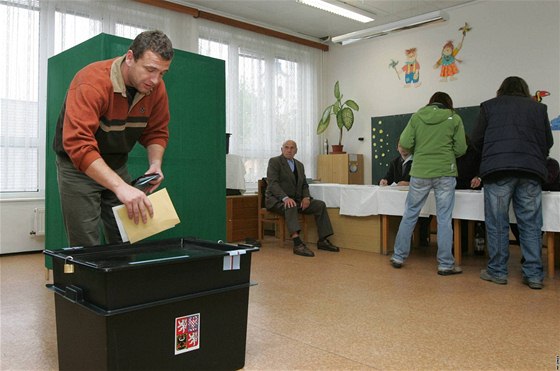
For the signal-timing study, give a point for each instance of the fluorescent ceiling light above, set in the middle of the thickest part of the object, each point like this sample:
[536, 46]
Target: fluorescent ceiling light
[341, 9]
[403, 24]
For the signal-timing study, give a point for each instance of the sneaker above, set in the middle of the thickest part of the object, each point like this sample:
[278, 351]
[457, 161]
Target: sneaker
[488, 277]
[535, 285]
[327, 245]
[302, 250]
[450, 271]
[396, 264]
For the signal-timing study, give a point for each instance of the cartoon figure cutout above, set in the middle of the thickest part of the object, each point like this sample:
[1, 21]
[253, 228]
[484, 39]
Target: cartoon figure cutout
[449, 57]
[411, 69]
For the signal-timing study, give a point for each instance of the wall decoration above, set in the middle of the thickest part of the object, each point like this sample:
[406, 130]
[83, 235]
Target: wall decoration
[539, 94]
[555, 123]
[382, 142]
[449, 57]
[393, 65]
[411, 69]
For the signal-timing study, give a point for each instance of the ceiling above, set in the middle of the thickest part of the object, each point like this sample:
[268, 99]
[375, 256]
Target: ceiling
[304, 21]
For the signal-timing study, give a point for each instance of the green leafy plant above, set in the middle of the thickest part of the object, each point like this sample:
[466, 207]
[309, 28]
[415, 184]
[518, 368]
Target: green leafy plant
[342, 111]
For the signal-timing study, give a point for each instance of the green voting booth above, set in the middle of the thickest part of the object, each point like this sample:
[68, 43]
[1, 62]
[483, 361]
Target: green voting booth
[194, 161]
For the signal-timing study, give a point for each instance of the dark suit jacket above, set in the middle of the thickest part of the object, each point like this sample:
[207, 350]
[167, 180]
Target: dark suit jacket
[395, 173]
[282, 182]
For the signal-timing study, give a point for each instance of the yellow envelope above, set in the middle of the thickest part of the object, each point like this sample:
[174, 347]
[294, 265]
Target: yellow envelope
[165, 217]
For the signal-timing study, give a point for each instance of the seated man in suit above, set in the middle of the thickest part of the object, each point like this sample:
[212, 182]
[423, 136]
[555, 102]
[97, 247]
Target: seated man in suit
[288, 194]
[399, 174]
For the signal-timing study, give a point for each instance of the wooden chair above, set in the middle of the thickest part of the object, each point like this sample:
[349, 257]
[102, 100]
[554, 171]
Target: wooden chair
[268, 217]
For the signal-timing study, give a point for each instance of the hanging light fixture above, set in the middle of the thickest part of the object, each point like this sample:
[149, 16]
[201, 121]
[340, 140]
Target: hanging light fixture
[404, 24]
[340, 9]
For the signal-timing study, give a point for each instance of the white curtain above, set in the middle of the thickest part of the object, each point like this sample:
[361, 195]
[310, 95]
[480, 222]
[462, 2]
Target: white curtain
[272, 95]
[19, 68]
[272, 90]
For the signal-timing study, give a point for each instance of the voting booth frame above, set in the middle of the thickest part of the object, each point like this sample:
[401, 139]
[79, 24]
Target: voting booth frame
[194, 161]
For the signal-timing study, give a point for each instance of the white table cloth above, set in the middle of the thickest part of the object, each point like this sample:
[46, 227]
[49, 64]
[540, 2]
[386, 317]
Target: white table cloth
[365, 200]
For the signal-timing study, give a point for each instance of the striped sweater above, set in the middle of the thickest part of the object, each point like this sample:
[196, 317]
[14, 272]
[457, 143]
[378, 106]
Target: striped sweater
[96, 121]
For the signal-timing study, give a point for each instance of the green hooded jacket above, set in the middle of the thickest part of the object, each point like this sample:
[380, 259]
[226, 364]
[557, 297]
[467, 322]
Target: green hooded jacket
[436, 136]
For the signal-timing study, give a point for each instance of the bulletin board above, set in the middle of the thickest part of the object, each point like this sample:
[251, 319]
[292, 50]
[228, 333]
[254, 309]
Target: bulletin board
[385, 133]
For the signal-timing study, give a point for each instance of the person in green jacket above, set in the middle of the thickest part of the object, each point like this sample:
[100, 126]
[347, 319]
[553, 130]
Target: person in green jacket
[436, 136]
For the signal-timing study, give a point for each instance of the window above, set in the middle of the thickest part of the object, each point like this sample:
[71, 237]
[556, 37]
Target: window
[128, 31]
[19, 66]
[264, 99]
[71, 29]
[21, 137]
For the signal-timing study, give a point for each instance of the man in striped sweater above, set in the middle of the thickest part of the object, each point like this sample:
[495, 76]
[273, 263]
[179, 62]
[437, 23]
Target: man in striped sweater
[110, 105]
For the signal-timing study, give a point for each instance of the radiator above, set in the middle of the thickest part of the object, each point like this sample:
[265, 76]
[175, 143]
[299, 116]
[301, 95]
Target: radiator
[38, 222]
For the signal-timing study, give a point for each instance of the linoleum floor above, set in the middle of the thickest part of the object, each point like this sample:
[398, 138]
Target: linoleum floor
[340, 311]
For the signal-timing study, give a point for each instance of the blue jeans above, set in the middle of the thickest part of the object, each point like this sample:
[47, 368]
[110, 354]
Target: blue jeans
[419, 189]
[526, 195]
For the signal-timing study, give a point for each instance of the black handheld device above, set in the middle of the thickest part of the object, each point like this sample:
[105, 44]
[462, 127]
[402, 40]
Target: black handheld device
[143, 181]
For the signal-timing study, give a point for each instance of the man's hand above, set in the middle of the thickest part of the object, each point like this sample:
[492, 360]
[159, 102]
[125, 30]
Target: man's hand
[383, 182]
[475, 182]
[289, 202]
[136, 202]
[154, 184]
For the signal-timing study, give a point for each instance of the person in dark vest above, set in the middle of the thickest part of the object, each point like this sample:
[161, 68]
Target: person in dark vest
[514, 136]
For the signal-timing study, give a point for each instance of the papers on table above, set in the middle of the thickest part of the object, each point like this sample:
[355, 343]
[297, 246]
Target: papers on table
[165, 217]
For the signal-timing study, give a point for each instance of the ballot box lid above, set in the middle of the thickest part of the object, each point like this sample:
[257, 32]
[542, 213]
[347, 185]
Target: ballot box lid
[127, 256]
[123, 275]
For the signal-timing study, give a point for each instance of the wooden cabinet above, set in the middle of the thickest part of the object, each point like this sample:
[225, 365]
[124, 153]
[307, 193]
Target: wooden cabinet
[241, 217]
[341, 168]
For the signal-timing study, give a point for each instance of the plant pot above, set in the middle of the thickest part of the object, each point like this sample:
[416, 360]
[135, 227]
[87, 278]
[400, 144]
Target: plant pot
[337, 149]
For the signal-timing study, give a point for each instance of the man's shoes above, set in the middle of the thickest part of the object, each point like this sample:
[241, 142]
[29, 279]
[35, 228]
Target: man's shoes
[302, 250]
[450, 271]
[535, 285]
[327, 245]
[488, 277]
[395, 263]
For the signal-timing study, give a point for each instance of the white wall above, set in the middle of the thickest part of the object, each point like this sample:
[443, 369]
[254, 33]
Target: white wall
[520, 38]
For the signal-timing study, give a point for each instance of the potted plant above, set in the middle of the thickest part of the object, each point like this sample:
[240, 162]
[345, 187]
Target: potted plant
[344, 116]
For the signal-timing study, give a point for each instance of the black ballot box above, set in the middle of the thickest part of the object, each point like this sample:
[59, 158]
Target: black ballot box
[176, 304]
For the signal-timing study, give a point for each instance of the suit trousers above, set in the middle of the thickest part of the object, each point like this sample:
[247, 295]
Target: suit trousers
[317, 208]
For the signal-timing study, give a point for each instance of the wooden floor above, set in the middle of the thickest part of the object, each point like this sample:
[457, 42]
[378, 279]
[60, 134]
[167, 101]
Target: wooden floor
[340, 311]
